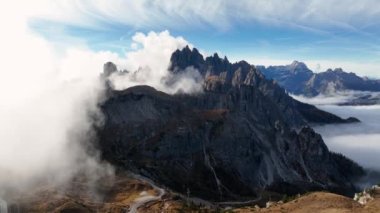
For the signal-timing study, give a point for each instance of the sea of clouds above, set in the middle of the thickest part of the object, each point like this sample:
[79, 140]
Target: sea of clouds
[358, 141]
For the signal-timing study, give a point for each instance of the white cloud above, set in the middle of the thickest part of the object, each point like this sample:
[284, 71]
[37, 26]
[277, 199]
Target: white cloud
[358, 17]
[312, 15]
[155, 51]
[48, 93]
[148, 64]
[325, 100]
[358, 141]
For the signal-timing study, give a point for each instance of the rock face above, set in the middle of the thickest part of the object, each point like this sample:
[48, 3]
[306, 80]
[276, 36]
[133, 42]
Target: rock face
[300, 80]
[109, 68]
[232, 142]
[220, 74]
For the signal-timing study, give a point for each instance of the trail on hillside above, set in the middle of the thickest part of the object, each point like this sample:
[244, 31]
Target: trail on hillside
[144, 199]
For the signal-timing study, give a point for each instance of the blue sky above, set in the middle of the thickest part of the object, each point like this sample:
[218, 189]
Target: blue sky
[330, 33]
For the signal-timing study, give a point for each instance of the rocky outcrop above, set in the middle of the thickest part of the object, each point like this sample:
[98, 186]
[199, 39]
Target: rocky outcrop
[109, 68]
[220, 73]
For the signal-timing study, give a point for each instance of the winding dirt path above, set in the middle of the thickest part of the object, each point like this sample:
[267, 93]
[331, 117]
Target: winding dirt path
[143, 200]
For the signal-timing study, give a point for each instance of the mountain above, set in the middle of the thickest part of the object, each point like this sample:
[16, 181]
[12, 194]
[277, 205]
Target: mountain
[298, 79]
[243, 138]
[221, 72]
[292, 77]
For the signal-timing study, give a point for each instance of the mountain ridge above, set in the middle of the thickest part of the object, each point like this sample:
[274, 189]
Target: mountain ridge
[242, 136]
[217, 70]
[306, 82]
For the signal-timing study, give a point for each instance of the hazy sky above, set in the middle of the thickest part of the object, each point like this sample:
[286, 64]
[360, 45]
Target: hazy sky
[329, 33]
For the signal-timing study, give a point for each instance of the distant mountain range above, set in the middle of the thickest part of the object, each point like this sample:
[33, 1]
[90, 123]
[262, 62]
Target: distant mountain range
[243, 138]
[298, 79]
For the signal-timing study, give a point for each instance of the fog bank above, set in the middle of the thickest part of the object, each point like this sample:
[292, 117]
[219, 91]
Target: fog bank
[50, 95]
[349, 97]
[359, 141]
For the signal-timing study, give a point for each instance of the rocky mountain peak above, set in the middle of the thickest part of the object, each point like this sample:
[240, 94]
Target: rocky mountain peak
[225, 59]
[291, 75]
[297, 66]
[338, 70]
[186, 57]
[109, 68]
[187, 49]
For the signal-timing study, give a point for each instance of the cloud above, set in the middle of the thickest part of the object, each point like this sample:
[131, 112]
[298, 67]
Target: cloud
[349, 27]
[155, 48]
[149, 61]
[311, 15]
[49, 97]
[340, 98]
[324, 100]
[140, 14]
[358, 141]
[314, 14]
